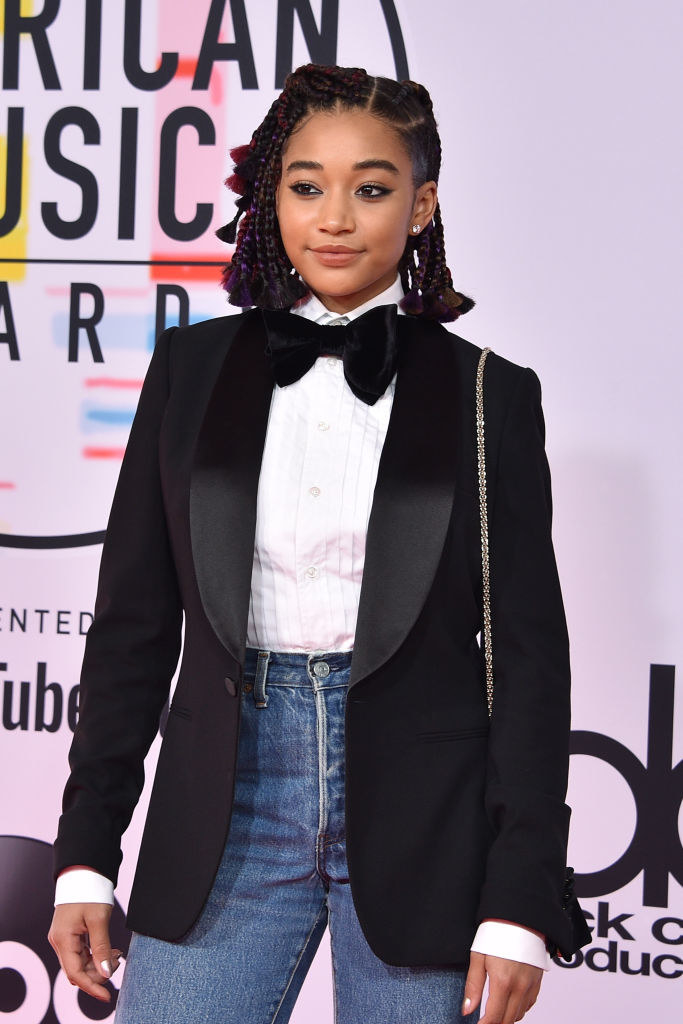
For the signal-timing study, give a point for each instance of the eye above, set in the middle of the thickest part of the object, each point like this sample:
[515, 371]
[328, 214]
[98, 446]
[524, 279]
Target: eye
[304, 188]
[372, 191]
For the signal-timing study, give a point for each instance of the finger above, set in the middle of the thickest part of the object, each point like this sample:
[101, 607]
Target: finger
[532, 996]
[495, 1006]
[517, 1004]
[97, 917]
[474, 983]
[515, 1008]
[77, 965]
[507, 996]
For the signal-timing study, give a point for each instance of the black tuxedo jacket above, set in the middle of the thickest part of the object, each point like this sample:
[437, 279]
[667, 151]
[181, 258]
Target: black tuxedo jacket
[450, 817]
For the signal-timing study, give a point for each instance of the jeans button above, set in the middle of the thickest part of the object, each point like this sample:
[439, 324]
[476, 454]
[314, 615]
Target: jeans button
[321, 669]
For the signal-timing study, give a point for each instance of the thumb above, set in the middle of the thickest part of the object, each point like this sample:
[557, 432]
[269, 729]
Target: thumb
[97, 919]
[474, 983]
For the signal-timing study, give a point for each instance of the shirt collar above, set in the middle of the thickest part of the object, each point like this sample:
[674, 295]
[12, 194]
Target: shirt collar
[313, 309]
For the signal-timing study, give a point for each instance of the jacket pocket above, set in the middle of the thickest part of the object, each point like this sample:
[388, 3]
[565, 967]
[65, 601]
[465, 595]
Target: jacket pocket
[453, 734]
[180, 711]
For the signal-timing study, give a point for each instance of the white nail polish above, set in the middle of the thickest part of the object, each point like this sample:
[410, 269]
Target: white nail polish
[106, 967]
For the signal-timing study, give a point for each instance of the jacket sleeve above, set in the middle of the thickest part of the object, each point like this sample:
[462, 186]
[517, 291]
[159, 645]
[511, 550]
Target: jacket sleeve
[529, 736]
[131, 648]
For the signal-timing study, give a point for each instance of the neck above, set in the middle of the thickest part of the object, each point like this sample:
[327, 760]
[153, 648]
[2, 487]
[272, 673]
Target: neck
[345, 303]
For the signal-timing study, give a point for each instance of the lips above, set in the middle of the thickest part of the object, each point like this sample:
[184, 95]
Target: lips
[334, 248]
[335, 255]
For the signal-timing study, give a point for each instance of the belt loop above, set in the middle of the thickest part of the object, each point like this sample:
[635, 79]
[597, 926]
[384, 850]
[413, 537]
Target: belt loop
[260, 695]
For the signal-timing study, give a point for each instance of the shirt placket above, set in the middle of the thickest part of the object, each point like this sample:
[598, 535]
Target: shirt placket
[317, 487]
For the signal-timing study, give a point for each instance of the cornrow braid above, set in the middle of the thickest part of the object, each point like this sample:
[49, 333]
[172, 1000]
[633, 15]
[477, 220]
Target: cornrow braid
[260, 272]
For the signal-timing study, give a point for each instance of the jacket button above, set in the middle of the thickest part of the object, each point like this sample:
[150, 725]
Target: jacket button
[230, 686]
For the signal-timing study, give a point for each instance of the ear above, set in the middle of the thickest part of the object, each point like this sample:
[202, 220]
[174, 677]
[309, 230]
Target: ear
[423, 208]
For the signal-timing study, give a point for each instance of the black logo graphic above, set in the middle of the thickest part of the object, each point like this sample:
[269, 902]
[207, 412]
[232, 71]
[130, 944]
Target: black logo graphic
[657, 788]
[31, 979]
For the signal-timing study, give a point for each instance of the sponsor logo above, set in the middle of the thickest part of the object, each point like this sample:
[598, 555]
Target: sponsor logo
[657, 788]
[655, 850]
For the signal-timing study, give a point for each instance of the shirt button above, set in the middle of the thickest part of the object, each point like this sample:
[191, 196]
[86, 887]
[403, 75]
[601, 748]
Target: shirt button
[315, 491]
[332, 361]
[311, 572]
[323, 426]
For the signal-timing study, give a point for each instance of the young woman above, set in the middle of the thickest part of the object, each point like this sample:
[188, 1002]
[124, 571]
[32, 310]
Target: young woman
[307, 499]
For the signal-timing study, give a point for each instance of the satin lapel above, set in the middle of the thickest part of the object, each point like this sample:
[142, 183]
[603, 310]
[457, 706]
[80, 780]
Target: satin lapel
[413, 496]
[412, 501]
[224, 484]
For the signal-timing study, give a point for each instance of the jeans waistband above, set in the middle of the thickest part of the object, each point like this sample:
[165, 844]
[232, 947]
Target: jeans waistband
[296, 668]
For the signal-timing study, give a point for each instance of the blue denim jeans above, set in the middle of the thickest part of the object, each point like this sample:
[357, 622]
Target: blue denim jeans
[283, 878]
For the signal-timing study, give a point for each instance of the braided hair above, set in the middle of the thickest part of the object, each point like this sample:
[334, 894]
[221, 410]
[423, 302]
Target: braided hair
[260, 272]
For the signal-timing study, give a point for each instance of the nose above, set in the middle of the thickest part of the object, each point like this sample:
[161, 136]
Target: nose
[335, 215]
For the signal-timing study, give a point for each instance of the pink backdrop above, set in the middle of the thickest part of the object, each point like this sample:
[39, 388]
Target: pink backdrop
[561, 199]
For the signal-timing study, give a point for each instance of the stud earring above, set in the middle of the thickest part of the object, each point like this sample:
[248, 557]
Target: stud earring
[416, 228]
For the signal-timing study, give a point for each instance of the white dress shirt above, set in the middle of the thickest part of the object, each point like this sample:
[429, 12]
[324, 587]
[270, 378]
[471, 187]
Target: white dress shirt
[316, 484]
[318, 474]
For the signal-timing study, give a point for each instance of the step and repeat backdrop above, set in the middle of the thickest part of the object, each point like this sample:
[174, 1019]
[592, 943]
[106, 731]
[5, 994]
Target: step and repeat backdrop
[561, 199]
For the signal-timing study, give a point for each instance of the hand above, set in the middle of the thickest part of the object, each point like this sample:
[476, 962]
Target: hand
[513, 988]
[79, 936]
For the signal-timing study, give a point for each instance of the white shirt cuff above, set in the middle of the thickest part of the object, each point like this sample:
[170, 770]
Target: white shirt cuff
[84, 885]
[512, 942]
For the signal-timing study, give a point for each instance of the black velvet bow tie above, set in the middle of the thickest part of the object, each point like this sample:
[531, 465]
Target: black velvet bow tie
[367, 346]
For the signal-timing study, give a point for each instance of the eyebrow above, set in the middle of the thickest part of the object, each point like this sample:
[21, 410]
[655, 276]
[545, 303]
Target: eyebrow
[362, 165]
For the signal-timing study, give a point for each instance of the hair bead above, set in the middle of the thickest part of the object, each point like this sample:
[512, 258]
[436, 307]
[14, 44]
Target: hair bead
[406, 89]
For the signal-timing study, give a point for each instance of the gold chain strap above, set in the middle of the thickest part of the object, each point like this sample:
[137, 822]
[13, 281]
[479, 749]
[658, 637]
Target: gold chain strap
[485, 570]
